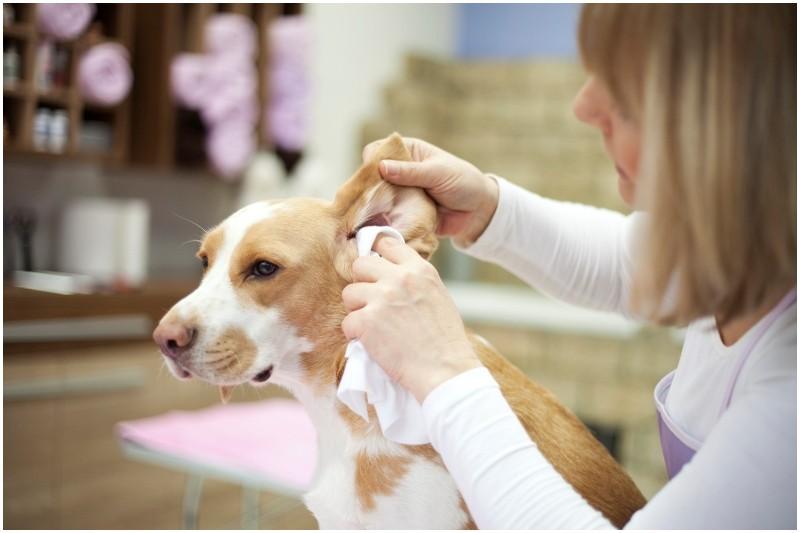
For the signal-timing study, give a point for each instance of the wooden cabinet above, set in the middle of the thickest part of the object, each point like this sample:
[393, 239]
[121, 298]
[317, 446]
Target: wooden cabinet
[147, 129]
[25, 95]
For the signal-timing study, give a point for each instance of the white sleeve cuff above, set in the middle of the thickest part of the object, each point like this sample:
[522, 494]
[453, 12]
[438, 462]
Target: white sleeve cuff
[456, 389]
[496, 232]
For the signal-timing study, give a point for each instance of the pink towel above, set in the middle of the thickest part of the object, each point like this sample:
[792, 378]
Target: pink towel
[104, 74]
[222, 85]
[274, 438]
[64, 21]
[191, 79]
[287, 120]
[221, 88]
[230, 146]
[232, 34]
[233, 92]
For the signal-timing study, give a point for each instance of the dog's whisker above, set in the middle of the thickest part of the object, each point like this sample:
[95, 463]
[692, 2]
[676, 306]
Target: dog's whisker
[204, 230]
[161, 369]
[211, 363]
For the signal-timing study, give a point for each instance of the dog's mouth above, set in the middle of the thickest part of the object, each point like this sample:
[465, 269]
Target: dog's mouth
[177, 369]
[264, 375]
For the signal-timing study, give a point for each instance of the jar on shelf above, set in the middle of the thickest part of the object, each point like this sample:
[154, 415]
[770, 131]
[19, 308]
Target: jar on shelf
[41, 126]
[10, 65]
[57, 132]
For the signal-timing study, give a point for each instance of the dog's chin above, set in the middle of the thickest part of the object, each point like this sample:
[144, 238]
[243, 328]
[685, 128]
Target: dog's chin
[258, 379]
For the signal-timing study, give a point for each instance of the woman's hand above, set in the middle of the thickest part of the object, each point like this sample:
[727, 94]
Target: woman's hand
[401, 312]
[466, 197]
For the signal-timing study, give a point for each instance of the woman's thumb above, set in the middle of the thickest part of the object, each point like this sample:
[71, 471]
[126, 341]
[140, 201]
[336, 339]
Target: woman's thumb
[409, 173]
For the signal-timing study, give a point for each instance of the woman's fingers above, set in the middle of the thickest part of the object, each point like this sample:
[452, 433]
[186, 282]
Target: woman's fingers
[394, 251]
[371, 268]
[356, 295]
[352, 325]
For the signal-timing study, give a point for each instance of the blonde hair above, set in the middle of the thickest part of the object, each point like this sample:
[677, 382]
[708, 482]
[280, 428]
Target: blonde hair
[713, 90]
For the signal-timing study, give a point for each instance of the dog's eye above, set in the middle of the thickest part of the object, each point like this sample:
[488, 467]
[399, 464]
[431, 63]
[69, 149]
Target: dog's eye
[204, 260]
[264, 269]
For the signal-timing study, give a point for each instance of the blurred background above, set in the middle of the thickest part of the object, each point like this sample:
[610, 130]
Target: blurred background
[128, 128]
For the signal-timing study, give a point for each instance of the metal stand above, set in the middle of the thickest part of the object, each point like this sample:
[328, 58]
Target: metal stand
[250, 508]
[191, 501]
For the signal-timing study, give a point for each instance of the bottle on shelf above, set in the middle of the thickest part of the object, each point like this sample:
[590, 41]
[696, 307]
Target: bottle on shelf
[10, 65]
[44, 66]
[41, 126]
[8, 14]
[57, 131]
[60, 66]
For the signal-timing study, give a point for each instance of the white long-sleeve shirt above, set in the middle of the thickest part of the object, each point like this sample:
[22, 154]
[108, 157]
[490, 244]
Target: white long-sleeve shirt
[744, 475]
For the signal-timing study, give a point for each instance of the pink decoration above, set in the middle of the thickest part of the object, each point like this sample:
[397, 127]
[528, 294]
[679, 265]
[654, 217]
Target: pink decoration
[234, 90]
[229, 146]
[272, 438]
[222, 86]
[64, 21]
[104, 74]
[191, 79]
[287, 121]
[230, 34]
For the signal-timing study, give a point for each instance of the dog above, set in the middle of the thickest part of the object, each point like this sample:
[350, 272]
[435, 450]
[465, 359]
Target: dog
[269, 310]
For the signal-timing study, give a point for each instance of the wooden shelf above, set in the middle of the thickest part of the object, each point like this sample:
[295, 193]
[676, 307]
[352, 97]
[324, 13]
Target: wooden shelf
[15, 90]
[59, 97]
[112, 22]
[19, 31]
[81, 155]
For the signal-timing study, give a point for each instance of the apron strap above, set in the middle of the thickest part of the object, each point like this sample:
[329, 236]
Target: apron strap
[777, 311]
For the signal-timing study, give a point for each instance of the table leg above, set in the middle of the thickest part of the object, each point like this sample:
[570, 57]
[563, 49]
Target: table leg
[191, 501]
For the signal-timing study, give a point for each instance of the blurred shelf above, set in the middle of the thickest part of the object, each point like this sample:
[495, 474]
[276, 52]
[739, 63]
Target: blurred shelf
[15, 90]
[24, 99]
[20, 31]
[60, 97]
[154, 299]
[30, 153]
[511, 306]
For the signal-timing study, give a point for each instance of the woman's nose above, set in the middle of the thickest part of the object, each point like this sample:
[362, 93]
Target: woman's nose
[591, 107]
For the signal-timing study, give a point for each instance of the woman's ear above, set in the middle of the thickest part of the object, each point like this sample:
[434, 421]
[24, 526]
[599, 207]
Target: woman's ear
[367, 200]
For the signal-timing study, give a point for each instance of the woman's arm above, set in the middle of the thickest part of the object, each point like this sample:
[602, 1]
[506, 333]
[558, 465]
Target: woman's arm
[504, 479]
[576, 253]
[743, 477]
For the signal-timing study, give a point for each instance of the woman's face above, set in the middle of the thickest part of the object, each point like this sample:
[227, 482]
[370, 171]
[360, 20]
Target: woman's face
[594, 106]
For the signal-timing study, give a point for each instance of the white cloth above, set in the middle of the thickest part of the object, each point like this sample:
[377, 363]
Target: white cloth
[363, 381]
[743, 477]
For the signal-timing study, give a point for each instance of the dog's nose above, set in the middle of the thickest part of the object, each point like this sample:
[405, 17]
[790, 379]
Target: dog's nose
[173, 338]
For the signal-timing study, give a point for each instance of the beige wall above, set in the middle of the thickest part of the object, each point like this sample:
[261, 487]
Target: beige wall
[358, 50]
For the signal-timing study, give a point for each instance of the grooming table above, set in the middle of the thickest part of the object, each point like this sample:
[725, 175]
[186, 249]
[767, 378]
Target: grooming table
[267, 445]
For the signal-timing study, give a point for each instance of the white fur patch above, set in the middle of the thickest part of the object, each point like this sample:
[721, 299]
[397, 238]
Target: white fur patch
[216, 307]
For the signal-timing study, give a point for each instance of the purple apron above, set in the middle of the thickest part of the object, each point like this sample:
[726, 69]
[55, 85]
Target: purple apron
[678, 446]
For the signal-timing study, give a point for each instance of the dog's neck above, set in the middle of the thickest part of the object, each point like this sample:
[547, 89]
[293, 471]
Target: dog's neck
[313, 377]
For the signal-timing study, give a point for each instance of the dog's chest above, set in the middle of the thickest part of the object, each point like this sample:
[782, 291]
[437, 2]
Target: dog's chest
[372, 483]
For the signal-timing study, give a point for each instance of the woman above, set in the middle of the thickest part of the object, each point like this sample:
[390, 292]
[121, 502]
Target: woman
[696, 105]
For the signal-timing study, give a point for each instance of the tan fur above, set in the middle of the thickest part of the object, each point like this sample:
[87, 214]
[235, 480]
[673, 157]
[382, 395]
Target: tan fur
[211, 244]
[231, 353]
[470, 524]
[565, 441]
[378, 475]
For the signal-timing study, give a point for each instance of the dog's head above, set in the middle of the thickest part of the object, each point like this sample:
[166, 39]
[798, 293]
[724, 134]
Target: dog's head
[270, 298]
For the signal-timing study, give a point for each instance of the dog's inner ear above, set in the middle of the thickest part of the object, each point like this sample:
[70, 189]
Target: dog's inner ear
[367, 200]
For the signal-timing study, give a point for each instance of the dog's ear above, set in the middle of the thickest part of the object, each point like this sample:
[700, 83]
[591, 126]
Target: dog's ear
[367, 200]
